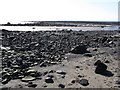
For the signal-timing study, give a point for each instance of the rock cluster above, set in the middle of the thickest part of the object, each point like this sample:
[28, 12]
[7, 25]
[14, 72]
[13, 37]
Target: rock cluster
[23, 50]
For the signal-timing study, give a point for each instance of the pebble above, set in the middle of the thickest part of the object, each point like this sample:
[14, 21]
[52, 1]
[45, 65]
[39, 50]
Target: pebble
[49, 80]
[84, 82]
[61, 72]
[61, 86]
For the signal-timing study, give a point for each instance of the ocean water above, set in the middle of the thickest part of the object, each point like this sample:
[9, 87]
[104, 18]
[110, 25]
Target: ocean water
[52, 28]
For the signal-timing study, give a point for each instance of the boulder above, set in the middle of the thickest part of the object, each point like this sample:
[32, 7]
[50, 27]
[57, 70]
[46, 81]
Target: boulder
[79, 49]
[101, 68]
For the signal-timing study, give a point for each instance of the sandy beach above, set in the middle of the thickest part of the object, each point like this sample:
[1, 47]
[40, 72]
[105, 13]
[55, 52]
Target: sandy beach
[60, 59]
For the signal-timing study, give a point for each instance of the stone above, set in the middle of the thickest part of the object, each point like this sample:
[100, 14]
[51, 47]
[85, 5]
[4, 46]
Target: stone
[88, 54]
[79, 49]
[31, 71]
[28, 78]
[80, 76]
[60, 72]
[73, 81]
[84, 82]
[62, 76]
[97, 62]
[6, 80]
[61, 86]
[51, 76]
[77, 66]
[30, 84]
[49, 80]
[51, 71]
[101, 68]
[117, 82]
[107, 61]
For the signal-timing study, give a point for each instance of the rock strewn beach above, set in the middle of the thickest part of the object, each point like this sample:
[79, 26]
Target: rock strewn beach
[60, 59]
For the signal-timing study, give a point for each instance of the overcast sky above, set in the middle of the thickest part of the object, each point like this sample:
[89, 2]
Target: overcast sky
[51, 10]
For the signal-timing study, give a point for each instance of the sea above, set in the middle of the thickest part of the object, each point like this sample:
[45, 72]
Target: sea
[54, 28]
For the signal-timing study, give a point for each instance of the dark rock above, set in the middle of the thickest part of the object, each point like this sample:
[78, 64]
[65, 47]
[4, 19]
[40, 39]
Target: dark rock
[104, 39]
[45, 73]
[97, 62]
[32, 85]
[6, 80]
[101, 68]
[49, 80]
[61, 86]
[77, 66]
[62, 76]
[118, 82]
[84, 82]
[51, 71]
[80, 49]
[73, 81]
[80, 76]
[51, 76]
[107, 61]
[95, 50]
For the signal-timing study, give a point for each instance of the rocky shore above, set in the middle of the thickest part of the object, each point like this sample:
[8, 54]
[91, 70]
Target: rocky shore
[60, 59]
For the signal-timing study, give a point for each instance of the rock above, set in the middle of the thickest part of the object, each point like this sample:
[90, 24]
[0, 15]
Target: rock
[84, 82]
[45, 73]
[28, 78]
[62, 76]
[80, 76]
[49, 80]
[15, 66]
[6, 80]
[117, 82]
[51, 76]
[97, 62]
[101, 68]
[77, 66]
[31, 71]
[80, 49]
[50, 71]
[95, 49]
[73, 81]
[61, 86]
[60, 72]
[88, 54]
[107, 61]
[30, 84]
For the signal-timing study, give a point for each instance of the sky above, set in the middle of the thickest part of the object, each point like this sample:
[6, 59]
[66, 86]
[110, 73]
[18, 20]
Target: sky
[58, 10]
